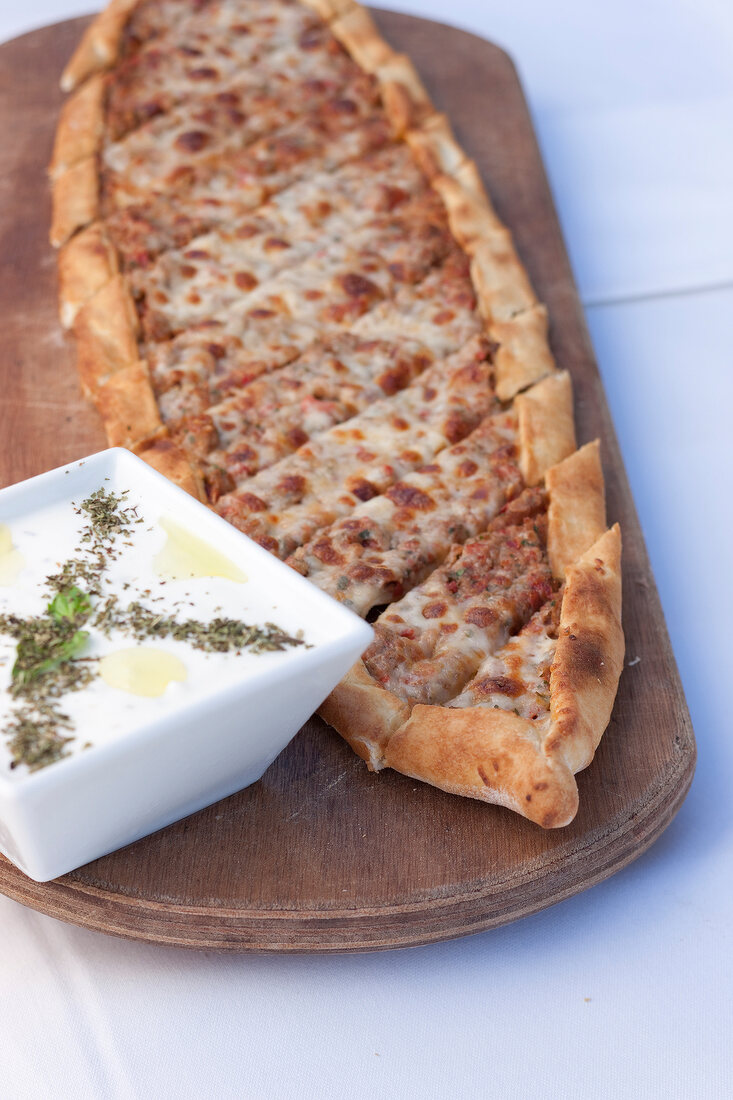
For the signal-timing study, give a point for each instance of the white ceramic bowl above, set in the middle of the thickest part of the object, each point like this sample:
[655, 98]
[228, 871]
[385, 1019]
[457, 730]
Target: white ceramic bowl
[153, 761]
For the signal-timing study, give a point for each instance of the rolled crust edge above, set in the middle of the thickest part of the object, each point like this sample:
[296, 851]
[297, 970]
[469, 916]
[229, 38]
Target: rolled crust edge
[99, 45]
[365, 714]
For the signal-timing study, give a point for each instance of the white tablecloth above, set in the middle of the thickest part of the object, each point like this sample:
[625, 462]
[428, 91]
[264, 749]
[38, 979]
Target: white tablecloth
[623, 991]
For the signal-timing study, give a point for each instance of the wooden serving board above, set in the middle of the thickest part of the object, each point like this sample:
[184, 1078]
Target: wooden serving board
[321, 855]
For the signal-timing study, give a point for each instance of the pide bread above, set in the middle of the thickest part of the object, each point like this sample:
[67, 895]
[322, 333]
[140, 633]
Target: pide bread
[291, 294]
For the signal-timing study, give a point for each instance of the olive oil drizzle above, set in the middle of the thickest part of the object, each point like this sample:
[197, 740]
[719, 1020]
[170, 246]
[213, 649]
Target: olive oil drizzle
[12, 561]
[49, 662]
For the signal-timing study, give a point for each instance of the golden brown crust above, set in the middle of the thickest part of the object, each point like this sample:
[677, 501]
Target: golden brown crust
[589, 656]
[471, 216]
[523, 356]
[81, 126]
[470, 180]
[546, 426]
[577, 512]
[500, 280]
[358, 34]
[405, 100]
[435, 148]
[365, 714]
[86, 264]
[498, 757]
[99, 46]
[106, 330]
[75, 198]
[491, 755]
[169, 459]
[329, 9]
[127, 405]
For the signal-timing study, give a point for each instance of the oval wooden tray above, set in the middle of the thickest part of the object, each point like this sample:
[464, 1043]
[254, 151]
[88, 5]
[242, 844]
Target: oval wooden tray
[320, 855]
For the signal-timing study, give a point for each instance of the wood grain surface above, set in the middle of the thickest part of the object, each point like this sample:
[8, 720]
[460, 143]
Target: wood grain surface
[321, 855]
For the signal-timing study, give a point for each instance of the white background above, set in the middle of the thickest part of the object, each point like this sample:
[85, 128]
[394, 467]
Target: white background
[624, 991]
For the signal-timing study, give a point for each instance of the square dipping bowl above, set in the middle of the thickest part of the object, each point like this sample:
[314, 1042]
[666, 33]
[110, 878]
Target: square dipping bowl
[136, 763]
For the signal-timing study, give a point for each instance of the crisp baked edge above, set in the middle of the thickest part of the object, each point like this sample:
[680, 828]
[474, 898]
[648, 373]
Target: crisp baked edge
[127, 405]
[357, 32]
[576, 516]
[169, 459]
[328, 9]
[501, 282]
[99, 46]
[498, 757]
[106, 330]
[471, 215]
[523, 353]
[490, 755]
[546, 425]
[589, 656]
[86, 263]
[75, 199]
[365, 714]
[81, 126]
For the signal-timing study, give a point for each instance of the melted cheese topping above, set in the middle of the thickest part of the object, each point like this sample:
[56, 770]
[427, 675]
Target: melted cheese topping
[389, 544]
[431, 642]
[146, 159]
[517, 677]
[438, 312]
[273, 416]
[285, 505]
[191, 284]
[209, 48]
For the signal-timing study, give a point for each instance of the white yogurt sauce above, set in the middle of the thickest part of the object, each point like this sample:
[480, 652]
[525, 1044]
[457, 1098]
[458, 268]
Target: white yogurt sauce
[106, 710]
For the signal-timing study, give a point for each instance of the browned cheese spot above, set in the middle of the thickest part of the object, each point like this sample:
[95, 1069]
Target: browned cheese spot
[435, 610]
[296, 437]
[455, 427]
[467, 468]
[480, 616]
[409, 496]
[325, 551]
[292, 485]
[245, 280]
[499, 685]
[252, 503]
[362, 489]
[356, 286]
[267, 542]
[193, 141]
[362, 572]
